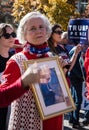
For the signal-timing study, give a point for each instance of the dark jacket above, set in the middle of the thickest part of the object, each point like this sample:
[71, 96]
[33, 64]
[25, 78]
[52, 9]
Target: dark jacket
[77, 74]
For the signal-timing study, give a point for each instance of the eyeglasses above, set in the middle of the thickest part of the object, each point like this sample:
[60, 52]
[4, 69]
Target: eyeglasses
[58, 32]
[8, 35]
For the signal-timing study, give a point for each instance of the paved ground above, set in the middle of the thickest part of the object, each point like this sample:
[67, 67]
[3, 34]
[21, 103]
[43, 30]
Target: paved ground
[69, 127]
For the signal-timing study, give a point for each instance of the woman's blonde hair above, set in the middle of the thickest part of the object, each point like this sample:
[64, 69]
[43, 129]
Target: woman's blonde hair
[21, 28]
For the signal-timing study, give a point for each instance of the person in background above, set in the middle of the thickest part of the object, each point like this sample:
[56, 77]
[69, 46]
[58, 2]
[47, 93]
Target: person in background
[33, 30]
[67, 43]
[7, 38]
[54, 43]
[57, 43]
[86, 64]
[55, 38]
[76, 79]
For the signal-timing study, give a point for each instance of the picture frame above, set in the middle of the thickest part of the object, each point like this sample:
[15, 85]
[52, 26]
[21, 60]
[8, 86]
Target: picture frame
[53, 98]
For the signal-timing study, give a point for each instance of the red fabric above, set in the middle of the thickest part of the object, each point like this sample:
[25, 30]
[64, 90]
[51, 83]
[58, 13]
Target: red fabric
[68, 81]
[18, 49]
[11, 76]
[38, 46]
[10, 93]
[86, 65]
[53, 123]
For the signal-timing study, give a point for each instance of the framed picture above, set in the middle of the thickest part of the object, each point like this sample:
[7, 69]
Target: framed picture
[53, 98]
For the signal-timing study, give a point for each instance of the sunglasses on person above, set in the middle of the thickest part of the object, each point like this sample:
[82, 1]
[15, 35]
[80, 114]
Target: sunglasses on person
[8, 35]
[58, 32]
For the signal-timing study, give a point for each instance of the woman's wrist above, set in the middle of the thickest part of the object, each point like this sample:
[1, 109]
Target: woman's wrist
[75, 55]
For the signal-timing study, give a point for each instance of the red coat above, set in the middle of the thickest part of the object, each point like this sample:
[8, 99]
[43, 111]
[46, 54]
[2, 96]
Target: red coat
[12, 73]
[10, 92]
[86, 65]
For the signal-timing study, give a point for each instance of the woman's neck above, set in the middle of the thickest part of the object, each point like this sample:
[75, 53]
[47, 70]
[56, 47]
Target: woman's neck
[55, 44]
[37, 50]
[4, 52]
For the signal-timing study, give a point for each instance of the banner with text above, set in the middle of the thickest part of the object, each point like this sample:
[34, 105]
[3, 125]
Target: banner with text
[78, 31]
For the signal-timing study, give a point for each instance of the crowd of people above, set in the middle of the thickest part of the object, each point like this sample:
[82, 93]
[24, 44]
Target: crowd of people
[35, 38]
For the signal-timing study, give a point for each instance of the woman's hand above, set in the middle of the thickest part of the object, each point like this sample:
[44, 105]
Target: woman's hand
[64, 64]
[79, 48]
[35, 74]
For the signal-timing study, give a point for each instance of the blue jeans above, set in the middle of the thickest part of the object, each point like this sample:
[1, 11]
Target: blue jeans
[76, 91]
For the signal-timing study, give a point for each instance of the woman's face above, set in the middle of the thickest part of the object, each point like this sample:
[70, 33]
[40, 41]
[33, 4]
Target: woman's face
[56, 36]
[36, 32]
[8, 42]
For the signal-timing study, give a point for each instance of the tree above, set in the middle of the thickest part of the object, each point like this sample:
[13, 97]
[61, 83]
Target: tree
[86, 13]
[58, 11]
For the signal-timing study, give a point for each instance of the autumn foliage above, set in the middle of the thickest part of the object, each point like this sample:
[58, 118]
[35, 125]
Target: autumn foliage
[58, 11]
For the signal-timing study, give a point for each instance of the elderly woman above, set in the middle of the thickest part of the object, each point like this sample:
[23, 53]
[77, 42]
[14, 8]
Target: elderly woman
[10, 92]
[33, 31]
